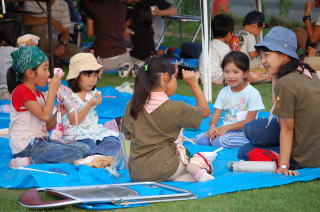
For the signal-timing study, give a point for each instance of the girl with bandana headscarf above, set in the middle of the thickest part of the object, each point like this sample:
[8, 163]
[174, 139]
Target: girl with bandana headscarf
[31, 113]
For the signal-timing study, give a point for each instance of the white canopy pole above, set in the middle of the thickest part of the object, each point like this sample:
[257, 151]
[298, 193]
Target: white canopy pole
[3, 7]
[259, 8]
[205, 8]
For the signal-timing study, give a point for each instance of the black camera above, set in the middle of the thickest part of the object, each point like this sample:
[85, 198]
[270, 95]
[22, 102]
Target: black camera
[183, 67]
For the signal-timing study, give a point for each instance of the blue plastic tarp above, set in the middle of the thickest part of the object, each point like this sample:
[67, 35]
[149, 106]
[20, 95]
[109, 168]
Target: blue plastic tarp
[113, 106]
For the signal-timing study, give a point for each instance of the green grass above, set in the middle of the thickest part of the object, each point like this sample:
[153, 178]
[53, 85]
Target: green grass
[189, 28]
[301, 196]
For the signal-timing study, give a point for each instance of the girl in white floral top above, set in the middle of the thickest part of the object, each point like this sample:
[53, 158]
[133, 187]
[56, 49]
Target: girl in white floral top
[83, 127]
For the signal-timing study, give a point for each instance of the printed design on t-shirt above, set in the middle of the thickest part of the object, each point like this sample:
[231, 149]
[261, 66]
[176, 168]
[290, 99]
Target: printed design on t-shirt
[241, 36]
[231, 110]
[277, 105]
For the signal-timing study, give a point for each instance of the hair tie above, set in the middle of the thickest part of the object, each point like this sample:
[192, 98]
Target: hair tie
[145, 67]
[302, 66]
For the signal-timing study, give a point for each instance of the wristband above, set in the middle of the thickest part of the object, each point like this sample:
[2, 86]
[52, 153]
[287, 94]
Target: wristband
[306, 18]
[283, 166]
[63, 43]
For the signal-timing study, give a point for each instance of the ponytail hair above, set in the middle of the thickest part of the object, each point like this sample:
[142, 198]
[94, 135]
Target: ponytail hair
[293, 65]
[12, 82]
[148, 77]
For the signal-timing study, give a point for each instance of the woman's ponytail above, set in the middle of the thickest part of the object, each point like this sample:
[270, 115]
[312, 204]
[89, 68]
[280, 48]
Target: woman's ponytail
[293, 65]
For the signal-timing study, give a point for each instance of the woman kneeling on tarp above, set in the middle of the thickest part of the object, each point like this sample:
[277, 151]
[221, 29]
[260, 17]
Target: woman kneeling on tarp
[295, 134]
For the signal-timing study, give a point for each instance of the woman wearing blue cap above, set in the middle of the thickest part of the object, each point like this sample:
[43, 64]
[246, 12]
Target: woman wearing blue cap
[295, 134]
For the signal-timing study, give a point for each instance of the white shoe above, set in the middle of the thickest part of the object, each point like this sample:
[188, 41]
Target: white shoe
[125, 70]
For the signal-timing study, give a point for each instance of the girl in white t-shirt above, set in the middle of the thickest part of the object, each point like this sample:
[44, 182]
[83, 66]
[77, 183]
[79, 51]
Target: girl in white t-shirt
[239, 100]
[31, 113]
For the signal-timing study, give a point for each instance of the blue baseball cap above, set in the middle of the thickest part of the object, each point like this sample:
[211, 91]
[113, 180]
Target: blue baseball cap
[281, 40]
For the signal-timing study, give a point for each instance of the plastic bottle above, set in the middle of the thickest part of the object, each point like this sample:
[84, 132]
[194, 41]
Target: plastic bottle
[64, 93]
[253, 166]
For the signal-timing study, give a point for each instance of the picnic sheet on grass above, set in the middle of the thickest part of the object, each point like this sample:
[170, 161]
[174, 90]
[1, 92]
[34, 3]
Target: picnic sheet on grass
[225, 180]
[113, 106]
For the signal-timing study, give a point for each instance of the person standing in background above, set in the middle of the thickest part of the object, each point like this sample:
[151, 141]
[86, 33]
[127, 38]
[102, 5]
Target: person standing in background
[61, 24]
[106, 20]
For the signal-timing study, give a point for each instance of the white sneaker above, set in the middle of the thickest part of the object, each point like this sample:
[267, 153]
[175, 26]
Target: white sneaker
[125, 70]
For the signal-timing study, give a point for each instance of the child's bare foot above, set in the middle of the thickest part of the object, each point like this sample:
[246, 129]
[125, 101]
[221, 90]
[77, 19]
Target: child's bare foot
[202, 175]
[206, 177]
[19, 162]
